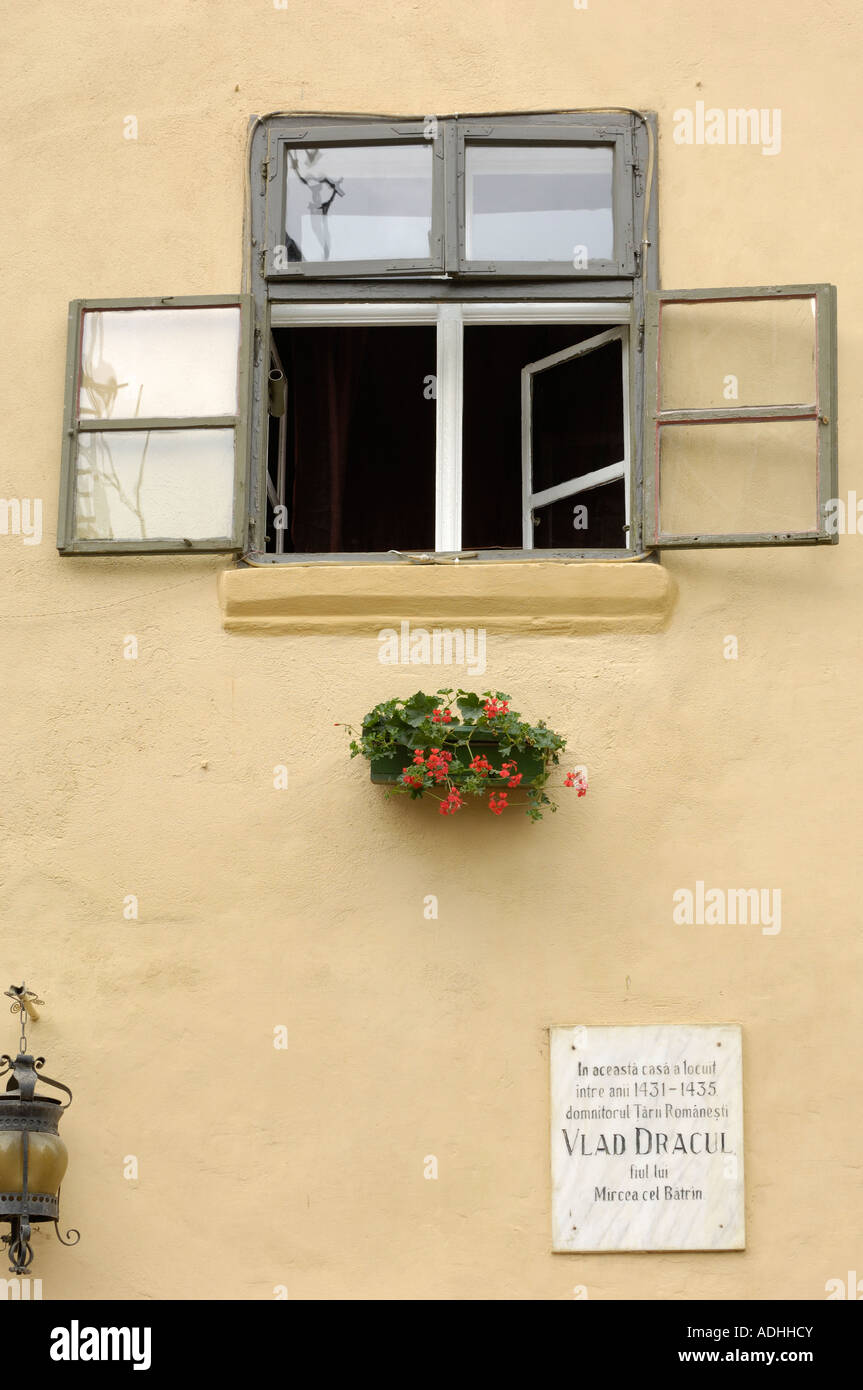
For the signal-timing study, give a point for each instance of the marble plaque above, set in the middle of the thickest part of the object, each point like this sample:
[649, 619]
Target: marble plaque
[647, 1138]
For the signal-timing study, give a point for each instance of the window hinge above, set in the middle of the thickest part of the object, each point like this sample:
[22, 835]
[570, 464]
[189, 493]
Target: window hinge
[640, 334]
[265, 174]
[263, 259]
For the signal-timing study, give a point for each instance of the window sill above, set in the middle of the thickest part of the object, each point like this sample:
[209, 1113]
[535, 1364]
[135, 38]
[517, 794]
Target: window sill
[531, 596]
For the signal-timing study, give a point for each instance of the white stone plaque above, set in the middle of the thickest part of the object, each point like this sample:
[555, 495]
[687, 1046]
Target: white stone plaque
[647, 1138]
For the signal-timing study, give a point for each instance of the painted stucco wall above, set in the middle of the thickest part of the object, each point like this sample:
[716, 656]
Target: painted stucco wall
[154, 777]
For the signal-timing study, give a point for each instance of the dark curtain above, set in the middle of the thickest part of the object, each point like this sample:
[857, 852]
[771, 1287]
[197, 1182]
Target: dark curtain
[323, 370]
[361, 438]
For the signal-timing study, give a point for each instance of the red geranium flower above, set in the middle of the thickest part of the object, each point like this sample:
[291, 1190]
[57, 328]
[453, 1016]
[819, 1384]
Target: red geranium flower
[576, 779]
[493, 707]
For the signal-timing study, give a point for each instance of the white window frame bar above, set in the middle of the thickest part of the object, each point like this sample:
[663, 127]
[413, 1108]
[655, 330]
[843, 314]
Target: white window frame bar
[450, 318]
[277, 494]
[450, 416]
[532, 501]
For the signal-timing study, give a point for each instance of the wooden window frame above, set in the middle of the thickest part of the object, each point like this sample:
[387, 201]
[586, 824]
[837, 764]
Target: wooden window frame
[319, 135]
[616, 135]
[450, 319]
[74, 426]
[823, 410]
[583, 482]
[451, 292]
[492, 296]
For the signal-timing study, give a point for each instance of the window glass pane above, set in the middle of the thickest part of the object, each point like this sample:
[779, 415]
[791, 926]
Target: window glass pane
[538, 203]
[577, 416]
[494, 355]
[592, 520]
[359, 202]
[720, 479]
[744, 352]
[153, 362]
[154, 484]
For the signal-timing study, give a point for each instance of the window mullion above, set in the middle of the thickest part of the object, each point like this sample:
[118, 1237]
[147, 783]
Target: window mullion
[450, 390]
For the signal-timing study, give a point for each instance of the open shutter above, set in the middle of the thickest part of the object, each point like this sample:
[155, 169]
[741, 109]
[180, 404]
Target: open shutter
[155, 442]
[595, 446]
[740, 416]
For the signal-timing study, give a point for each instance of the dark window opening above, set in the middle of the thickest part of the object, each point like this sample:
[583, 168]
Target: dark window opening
[592, 520]
[577, 428]
[359, 440]
[352, 462]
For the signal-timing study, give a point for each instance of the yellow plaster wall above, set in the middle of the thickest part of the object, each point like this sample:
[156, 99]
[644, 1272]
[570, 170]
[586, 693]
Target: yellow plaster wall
[154, 777]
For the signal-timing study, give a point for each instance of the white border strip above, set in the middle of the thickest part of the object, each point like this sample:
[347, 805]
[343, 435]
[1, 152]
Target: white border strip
[579, 311]
[450, 396]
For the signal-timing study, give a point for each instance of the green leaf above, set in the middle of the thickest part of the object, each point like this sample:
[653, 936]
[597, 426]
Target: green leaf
[419, 707]
[470, 706]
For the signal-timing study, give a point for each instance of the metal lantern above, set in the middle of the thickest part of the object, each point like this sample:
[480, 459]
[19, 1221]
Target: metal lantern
[33, 1157]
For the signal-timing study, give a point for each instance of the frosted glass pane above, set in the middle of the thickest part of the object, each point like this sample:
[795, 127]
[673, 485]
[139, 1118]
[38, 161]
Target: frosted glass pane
[538, 203]
[359, 203]
[744, 352]
[154, 484]
[719, 479]
[154, 362]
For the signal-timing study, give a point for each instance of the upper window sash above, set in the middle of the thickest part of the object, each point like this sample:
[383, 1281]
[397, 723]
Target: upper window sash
[472, 204]
[313, 189]
[607, 150]
[156, 426]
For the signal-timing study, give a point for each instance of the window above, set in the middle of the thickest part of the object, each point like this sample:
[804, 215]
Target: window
[155, 438]
[541, 200]
[361, 199]
[759, 471]
[451, 339]
[388, 408]
[575, 421]
[545, 197]
[415, 276]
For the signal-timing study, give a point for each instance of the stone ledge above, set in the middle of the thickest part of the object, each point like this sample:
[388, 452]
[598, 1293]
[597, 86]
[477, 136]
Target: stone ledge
[521, 596]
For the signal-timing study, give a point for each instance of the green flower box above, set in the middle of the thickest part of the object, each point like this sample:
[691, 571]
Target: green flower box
[388, 769]
[462, 725]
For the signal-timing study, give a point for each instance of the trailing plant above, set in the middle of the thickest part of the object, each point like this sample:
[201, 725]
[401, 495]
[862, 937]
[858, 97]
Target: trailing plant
[449, 736]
